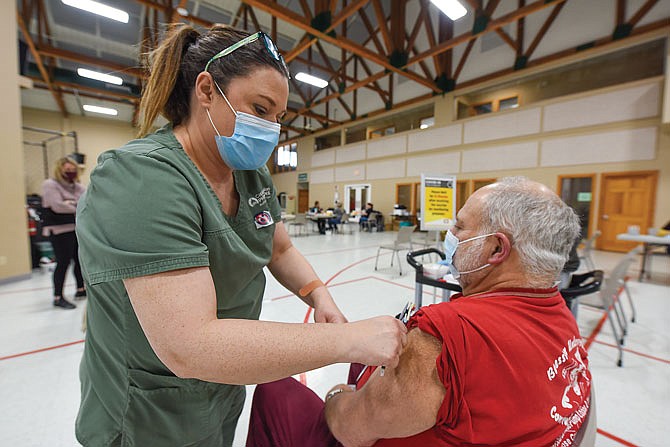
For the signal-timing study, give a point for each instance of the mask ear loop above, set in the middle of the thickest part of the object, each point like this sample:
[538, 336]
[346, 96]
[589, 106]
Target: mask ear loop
[224, 97]
[227, 102]
[210, 120]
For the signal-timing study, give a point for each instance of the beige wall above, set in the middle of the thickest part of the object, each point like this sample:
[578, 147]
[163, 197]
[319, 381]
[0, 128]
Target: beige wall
[14, 244]
[95, 136]
[383, 191]
[22, 169]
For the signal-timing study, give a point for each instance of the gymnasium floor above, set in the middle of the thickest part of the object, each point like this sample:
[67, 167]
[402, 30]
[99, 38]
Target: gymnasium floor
[41, 346]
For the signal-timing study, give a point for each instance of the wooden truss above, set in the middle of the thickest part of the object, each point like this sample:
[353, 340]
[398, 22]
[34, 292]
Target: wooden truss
[391, 36]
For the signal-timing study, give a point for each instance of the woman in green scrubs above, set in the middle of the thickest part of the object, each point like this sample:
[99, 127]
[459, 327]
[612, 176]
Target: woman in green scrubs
[174, 232]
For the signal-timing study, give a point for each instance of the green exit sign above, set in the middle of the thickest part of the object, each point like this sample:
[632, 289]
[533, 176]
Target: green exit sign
[583, 196]
[303, 177]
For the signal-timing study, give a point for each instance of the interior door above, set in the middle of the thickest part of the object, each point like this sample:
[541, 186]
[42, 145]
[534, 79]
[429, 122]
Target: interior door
[626, 199]
[357, 196]
[577, 191]
[303, 200]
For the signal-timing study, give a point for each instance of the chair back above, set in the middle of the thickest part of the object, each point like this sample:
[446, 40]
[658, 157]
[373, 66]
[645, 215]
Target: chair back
[590, 242]
[405, 234]
[583, 284]
[616, 277]
[300, 219]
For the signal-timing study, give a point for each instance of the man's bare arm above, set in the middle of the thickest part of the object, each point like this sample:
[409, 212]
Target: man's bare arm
[402, 403]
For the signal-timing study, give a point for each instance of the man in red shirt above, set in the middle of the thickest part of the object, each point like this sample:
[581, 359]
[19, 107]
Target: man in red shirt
[500, 364]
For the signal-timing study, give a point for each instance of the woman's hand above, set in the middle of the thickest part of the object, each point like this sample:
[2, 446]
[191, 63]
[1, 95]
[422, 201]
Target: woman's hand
[376, 341]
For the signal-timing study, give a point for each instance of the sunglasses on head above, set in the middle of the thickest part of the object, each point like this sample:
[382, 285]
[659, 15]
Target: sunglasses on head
[269, 45]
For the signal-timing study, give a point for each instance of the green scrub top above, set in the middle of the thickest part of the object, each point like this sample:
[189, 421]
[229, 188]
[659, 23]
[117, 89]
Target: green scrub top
[148, 209]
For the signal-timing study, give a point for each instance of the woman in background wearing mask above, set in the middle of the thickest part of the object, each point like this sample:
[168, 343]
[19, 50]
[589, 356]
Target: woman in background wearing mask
[60, 195]
[175, 230]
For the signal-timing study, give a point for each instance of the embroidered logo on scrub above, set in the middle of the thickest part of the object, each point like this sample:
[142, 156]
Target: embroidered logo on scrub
[261, 198]
[263, 219]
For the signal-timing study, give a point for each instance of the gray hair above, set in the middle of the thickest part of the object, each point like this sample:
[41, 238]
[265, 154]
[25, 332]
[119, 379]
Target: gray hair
[543, 228]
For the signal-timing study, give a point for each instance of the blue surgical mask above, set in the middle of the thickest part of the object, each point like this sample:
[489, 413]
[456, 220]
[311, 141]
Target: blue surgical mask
[252, 142]
[451, 243]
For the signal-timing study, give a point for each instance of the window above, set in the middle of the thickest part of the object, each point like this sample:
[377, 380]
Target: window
[381, 132]
[508, 103]
[286, 158]
[483, 108]
[327, 141]
[425, 123]
[494, 105]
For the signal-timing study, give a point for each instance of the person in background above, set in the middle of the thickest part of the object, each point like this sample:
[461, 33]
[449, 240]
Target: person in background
[338, 212]
[320, 223]
[365, 213]
[175, 230]
[502, 364]
[60, 195]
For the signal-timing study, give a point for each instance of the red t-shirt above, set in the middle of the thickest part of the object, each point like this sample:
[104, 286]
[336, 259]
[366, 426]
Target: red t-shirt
[514, 369]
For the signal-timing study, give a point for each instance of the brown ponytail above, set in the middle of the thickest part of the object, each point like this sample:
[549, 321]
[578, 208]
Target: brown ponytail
[164, 65]
[182, 56]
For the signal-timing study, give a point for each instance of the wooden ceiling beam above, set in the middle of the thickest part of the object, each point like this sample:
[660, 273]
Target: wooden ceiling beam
[416, 28]
[310, 114]
[308, 41]
[599, 43]
[520, 30]
[76, 57]
[383, 94]
[620, 12]
[398, 31]
[445, 32]
[351, 46]
[40, 66]
[430, 34]
[464, 58]
[40, 85]
[352, 87]
[71, 85]
[492, 26]
[545, 27]
[165, 8]
[644, 9]
[383, 27]
[372, 31]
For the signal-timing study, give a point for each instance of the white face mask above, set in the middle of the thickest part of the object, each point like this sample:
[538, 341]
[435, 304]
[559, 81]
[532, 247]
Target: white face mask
[451, 243]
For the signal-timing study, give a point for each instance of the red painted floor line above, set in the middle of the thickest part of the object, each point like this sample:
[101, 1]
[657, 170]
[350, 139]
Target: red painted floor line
[595, 332]
[641, 354]
[616, 438]
[303, 376]
[41, 350]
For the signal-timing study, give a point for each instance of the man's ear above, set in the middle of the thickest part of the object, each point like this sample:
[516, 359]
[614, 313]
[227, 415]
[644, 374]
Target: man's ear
[502, 249]
[204, 89]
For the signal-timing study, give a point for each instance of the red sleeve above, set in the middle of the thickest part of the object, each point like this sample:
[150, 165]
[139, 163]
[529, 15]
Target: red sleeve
[446, 327]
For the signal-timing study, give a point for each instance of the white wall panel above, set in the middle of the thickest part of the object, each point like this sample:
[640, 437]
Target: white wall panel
[349, 173]
[511, 156]
[385, 169]
[349, 153]
[633, 103]
[503, 125]
[450, 163]
[321, 176]
[434, 138]
[323, 158]
[606, 147]
[384, 147]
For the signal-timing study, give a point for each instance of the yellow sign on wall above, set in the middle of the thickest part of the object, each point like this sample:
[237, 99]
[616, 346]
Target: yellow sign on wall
[438, 203]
